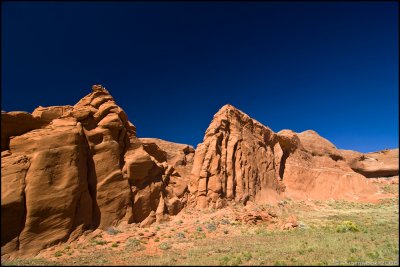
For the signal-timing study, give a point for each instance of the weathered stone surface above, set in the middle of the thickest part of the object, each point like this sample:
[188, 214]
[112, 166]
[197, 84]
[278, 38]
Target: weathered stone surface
[73, 168]
[384, 163]
[16, 123]
[176, 154]
[236, 161]
[48, 114]
[314, 169]
[241, 159]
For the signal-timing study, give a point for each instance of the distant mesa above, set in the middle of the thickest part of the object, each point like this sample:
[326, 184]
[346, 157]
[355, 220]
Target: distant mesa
[67, 170]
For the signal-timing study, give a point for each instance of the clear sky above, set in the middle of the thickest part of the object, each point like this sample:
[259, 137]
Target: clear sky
[327, 66]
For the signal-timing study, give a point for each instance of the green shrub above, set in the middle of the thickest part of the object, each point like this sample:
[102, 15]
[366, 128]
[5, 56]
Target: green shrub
[347, 226]
[247, 255]
[96, 241]
[230, 260]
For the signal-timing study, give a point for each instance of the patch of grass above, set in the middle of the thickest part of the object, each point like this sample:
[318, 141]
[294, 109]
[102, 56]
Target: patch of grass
[96, 241]
[231, 260]
[164, 246]
[58, 253]
[133, 244]
[246, 256]
[200, 235]
[30, 262]
[261, 232]
[114, 245]
[347, 226]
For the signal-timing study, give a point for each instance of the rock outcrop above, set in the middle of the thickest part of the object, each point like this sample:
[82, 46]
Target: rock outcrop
[69, 169]
[315, 169]
[238, 160]
[241, 159]
[384, 163]
[16, 123]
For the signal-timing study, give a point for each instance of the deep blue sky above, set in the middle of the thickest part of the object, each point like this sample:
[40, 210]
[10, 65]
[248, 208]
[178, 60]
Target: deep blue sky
[331, 67]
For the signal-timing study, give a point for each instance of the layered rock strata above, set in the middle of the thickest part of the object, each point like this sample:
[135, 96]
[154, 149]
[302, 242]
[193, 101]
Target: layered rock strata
[69, 169]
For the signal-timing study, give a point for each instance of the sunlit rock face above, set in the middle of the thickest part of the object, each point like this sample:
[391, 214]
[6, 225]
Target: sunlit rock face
[240, 159]
[68, 169]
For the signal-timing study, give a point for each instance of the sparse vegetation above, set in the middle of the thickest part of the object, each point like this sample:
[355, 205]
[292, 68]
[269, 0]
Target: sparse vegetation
[97, 241]
[180, 235]
[133, 244]
[211, 227]
[112, 231]
[330, 233]
[347, 226]
[164, 246]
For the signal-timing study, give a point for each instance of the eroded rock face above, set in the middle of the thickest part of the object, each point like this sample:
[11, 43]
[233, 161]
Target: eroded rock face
[315, 169]
[68, 169]
[384, 163]
[176, 155]
[238, 160]
[241, 159]
[16, 123]
[73, 168]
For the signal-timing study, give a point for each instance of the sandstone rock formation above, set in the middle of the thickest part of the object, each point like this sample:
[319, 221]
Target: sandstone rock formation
[238, 160]
[314, 169]
[16, 123]
[384, 163]
[74, 168]
[71, 169]
[241, 159]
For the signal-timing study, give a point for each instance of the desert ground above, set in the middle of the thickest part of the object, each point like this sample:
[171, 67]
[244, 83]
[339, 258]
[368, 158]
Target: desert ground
[302, 232]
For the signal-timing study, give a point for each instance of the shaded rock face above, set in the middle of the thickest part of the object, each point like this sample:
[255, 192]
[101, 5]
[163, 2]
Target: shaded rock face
[384, 163]
[16, 123]
[69, 169]
[238, 160]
